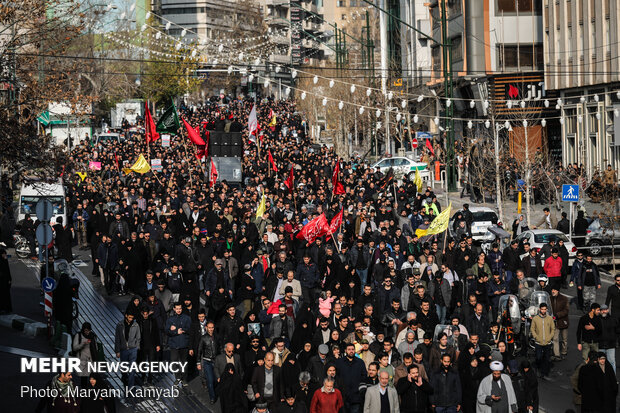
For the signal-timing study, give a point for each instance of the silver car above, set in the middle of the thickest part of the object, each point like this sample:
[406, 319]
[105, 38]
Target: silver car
[601, 235]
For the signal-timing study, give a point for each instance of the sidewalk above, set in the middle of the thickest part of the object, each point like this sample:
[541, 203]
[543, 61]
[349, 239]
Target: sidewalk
[104, 314]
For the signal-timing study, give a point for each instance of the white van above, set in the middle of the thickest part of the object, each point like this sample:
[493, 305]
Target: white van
[33, 191]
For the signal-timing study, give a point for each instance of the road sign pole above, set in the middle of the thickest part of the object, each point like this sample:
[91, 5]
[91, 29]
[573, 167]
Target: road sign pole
[570, 223]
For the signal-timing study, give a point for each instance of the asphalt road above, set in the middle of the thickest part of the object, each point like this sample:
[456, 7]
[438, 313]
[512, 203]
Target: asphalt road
[556, 395]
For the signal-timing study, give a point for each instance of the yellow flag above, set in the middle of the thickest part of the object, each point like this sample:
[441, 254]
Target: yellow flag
[82, 175]
[141, 166]
[261, 207]
[273, 121]
[439, 224]
[417, 180]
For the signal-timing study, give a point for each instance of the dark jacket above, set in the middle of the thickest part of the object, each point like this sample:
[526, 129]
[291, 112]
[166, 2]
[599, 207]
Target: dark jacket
[307, 275]
[176, 340]
[277, 327]
[258, 382]
[527, 269]
[413, 398]
[149, 333]
[613, 300]
[133, 338]
[208, 347]
[220, 364]
[609, 332]
[229, 329]
[560, 308]
[352, 372]
[447, 388]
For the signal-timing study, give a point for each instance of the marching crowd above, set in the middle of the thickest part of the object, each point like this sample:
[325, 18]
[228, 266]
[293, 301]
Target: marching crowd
[371, 318]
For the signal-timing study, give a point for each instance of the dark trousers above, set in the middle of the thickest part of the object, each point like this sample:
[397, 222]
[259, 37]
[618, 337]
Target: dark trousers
[148, 354]
[179, 354]
[543, 359]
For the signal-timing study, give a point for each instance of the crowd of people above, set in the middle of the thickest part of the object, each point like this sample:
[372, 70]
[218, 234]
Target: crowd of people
[370, 318]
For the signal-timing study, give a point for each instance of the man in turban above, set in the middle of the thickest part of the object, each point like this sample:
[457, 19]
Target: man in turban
[495, 394]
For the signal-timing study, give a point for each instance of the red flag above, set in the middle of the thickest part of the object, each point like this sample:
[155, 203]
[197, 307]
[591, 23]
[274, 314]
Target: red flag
[273, 164]
[192, 134]
[116, 160]
[149, 125]
[200, 153]
[213, 174]
[430, 147]
[313, 229]
[337, 187]
[290, 181]
[335, 224]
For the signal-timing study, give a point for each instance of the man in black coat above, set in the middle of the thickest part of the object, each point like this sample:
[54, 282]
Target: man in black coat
[266, 382]
[414, 391]
[597, 384]
[150, 344]
[63, 302]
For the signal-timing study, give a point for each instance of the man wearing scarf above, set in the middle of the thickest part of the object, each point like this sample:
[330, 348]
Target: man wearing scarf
[495, 393]
[62, 385]
[85, 348]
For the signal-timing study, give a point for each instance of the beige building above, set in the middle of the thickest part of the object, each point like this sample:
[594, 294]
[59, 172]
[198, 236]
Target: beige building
[581, 51]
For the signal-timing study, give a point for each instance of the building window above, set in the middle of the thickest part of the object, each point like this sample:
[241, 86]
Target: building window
[353, 3]
[343, 17]
[520, 6]
[436, 59]
[520, 57]
[341, 3]
[457, 49]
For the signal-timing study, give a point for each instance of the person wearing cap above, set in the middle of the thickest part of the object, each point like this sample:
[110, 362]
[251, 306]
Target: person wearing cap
[218, 288]
[560, 306]
[589, 330]
[247, 285]
[495, 393]
[317, 363]
[543, 330]
[609, 336]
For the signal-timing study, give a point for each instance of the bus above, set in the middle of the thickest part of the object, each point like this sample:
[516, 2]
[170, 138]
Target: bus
[33, 191]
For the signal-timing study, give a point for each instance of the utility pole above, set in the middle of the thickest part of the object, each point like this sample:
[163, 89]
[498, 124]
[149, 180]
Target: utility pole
[449, 113]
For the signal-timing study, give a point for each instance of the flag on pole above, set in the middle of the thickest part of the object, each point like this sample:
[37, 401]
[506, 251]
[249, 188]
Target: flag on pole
[149, 125]
[430, 147]
[273, 122]
[387, 179]
[439, 224]
[253, 121]
[335, 224]
[169, 121]
[260, 211]
[141, 166]
[337, 187]
[417, 180]
[313, 229]
[212, 174]
[290, 181]
[273, 164]
[192, 134]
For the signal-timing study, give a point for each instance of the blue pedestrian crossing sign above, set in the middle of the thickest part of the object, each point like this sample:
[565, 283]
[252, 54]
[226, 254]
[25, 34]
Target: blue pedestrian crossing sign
[570, 193]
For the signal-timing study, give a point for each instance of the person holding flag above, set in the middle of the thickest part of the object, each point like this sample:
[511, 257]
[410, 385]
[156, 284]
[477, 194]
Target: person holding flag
[337, 188]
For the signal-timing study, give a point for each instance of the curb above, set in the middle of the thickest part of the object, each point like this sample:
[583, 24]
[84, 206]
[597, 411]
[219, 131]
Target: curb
[29, 327]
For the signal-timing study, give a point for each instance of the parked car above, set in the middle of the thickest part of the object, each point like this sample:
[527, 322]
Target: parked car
[600, 234]
[105, 138]
[484, 218]
[537, 238]
[404, 167]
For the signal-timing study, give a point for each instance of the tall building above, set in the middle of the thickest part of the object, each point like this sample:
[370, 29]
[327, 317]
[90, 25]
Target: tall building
[298, 29]
[581, 50]
[416, 48]
[212, 19]
[497, 55]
